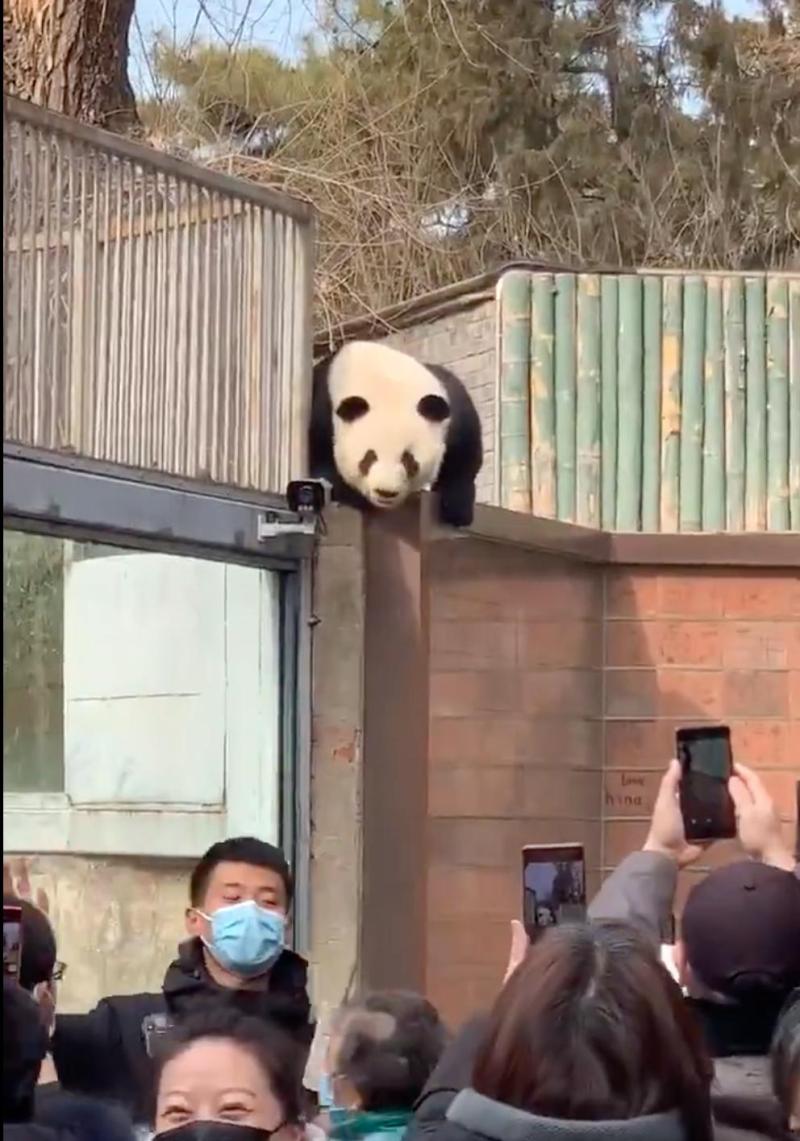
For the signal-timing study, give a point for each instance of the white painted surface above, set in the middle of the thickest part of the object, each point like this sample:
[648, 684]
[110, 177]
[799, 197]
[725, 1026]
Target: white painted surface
[172, 710]
[145, 679]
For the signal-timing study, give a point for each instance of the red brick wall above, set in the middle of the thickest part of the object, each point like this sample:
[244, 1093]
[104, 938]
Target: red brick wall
[515, 746]
[684, 646]
[556, 688]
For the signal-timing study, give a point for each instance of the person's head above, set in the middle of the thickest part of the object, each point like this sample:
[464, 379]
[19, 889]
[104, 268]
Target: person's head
[39, 969]
[786, 1061]
[24, 1048]
[382, 1051]
[239, 1073]
[240, 894]
[740, 934]
[590, 1027]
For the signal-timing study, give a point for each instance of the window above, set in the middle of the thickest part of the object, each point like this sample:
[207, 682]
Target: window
[141, 698]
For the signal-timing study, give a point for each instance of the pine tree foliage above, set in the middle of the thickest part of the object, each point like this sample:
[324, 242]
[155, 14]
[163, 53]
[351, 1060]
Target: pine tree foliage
[439, 138]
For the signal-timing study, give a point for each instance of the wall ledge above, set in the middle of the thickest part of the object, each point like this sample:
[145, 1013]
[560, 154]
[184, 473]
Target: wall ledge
[776, 549]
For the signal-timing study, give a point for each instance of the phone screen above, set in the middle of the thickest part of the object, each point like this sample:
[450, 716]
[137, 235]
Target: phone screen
[706, 805]
[12, 941]
[554, 885]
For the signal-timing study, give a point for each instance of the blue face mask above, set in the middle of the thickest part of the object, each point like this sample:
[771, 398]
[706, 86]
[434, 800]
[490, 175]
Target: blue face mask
[245, 938]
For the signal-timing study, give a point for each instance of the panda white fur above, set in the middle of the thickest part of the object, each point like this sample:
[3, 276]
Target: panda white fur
[384, 426]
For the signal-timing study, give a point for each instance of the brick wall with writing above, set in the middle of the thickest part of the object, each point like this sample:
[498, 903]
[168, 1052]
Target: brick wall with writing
[555, 692]
[515, 747]
[683, 647]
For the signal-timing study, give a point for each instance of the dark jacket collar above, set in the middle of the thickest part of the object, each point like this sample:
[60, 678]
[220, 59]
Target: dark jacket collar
[497, 1122]
[188, 986]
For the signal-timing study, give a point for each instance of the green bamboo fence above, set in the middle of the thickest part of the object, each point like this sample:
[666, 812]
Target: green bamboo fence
[651, 401]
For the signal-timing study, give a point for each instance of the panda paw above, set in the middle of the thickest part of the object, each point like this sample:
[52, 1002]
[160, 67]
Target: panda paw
[457, 506]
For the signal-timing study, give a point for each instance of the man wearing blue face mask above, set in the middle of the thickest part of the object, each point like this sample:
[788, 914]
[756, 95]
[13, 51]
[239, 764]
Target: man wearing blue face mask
[240, 894]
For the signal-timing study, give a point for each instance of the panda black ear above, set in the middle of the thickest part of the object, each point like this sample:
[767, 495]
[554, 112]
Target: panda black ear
[352, 408]
[434, 408]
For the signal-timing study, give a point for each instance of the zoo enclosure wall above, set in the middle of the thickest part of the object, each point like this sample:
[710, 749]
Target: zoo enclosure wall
[523, 683]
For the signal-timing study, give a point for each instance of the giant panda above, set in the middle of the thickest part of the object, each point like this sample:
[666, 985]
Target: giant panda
[384, 426]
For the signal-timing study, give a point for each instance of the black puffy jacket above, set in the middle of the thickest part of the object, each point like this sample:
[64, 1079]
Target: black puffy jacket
[103, 1054]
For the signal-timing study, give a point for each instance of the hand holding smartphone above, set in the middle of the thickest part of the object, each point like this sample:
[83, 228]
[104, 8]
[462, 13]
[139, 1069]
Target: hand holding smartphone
[553, 886]
[706, 761]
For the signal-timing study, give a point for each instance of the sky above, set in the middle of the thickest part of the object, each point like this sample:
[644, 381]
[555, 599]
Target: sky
[276, 24]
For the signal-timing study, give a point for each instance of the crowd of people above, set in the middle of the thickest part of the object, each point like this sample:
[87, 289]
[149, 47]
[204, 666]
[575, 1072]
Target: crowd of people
[590, 1037]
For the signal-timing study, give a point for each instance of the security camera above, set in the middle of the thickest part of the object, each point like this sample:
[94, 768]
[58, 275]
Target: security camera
[306, 500]
[308, 496]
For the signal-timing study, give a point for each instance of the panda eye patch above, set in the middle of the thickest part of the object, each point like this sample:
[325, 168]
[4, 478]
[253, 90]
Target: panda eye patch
[433, 408]
[367, 460]
[352, 408]
[410, 464]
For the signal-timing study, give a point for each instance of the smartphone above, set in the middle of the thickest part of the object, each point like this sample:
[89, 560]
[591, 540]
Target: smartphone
[707, 764]
[553, 885]
[12, 940]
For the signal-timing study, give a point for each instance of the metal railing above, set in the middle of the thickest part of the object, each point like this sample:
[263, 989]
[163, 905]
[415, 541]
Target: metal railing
[157, 314]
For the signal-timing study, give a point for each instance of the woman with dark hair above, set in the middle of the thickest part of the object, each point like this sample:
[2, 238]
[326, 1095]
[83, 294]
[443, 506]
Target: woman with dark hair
[222, 1076]
[589, 1039]
[381, 1053]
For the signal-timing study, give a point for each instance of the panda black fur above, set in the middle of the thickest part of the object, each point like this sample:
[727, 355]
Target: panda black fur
[384, 426]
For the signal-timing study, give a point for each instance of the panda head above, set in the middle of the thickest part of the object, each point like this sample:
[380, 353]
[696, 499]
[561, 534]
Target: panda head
[390, 422]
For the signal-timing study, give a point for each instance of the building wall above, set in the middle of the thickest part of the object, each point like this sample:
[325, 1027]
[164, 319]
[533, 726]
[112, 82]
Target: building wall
[118, 921]
[683, 646]
[515, 752]
[466, 342]
[336, 757]
[555, 691]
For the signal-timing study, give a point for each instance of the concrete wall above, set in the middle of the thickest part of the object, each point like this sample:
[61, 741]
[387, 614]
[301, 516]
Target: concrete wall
[118, 922]
[336, 757]
[466, 342]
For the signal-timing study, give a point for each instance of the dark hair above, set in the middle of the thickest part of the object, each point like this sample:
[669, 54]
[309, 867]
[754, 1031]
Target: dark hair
[591, 1027]
[24, 1049]
[277, 1056]
[38, 958]
[239, 850]
[786, 1054]
[389, 1059]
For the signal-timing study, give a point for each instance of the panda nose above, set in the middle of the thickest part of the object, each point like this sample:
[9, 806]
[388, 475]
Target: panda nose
[386, 494]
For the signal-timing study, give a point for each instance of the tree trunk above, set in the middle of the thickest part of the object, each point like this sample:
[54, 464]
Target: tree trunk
[71, 56]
